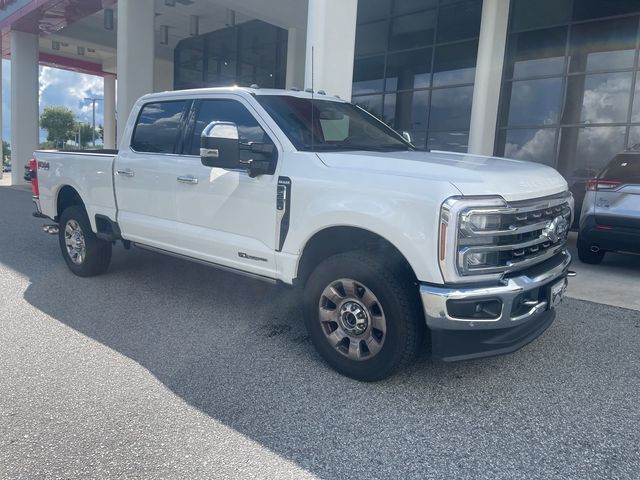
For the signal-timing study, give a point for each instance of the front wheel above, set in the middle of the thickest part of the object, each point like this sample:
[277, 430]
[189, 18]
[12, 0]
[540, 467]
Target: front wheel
[363, 317]
[85, 254]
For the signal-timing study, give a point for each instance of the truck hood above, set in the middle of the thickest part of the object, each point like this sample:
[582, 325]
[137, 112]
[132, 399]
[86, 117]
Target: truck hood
[471, 174]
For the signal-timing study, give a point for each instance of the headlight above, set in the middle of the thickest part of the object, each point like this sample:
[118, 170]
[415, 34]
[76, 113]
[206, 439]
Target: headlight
[485, 237]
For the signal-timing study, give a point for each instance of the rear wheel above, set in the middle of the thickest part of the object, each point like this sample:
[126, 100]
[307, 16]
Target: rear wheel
[363, 317]
[85, 254]
[586, 255]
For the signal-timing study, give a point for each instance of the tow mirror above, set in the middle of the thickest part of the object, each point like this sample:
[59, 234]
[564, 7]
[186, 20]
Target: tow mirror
[220, 145]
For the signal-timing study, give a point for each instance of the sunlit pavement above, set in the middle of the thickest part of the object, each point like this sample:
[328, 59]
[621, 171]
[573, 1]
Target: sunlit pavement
[167, 369]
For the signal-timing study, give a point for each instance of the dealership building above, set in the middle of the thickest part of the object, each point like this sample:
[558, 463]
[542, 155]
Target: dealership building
[553, 81]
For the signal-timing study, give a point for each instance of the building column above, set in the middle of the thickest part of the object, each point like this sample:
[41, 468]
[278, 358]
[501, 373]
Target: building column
[331, 40]
[25, 119]
[109, 111]
[163, 75]
[486, 90]
[296, 51]
[135, 63]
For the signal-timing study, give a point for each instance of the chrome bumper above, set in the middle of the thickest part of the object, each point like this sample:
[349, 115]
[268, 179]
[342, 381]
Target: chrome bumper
[434, 298]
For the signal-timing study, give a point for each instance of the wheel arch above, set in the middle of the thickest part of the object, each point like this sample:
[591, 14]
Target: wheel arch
[66, 197]
[342, 238]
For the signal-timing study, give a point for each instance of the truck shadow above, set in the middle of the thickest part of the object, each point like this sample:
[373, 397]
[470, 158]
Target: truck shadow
[236, 349]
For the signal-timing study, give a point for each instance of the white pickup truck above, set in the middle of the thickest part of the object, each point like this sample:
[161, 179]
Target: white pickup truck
[390, 245]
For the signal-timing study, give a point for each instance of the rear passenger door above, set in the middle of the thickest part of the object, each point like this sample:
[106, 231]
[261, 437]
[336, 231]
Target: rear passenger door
[146, 172]
[618, 193]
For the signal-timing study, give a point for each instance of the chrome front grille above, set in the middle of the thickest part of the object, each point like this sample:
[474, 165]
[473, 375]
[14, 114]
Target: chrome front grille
[521, 234]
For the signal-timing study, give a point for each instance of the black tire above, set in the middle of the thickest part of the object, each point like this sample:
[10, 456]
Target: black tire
[587, 256]
[399, 300]
[98, 252]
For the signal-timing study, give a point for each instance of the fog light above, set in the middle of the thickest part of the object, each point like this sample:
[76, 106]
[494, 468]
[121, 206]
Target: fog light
[485, 309]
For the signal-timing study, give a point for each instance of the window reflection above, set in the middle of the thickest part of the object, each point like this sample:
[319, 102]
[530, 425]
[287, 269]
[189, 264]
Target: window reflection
[459, 22]
[451, 108]
[449, 141]
[414, 30]
[588, 148]
[408, 111]
[539, 13]
[368, 75]
[409, 70]
[535, 145]
[537, 53]
[534, 102]
[371, 103]
[371, 38]
[635, 113]
[607, 45]
[455, 64]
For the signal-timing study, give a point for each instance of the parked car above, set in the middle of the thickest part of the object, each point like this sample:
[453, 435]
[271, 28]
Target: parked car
[6, 168]
[610, 219]
[387, 243]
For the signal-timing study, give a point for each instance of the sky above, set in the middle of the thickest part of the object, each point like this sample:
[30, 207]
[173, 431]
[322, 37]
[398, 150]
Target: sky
[57, 88]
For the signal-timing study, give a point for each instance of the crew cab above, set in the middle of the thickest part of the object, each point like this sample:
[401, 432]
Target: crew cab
[389, 245]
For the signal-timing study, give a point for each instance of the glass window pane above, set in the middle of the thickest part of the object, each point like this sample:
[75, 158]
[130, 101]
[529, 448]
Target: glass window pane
[527, 14]
[227, 111]
[371, 38]
[455, 64]
[369, 11]
[635, 113]
[584, 10]
[408, 6]
[533, 102]
[371, 103]
[409, 70]
[535, 145]
[368, 75]
[449, 141]
[588, 149]
[408, 111]
[414, 30]
[157, 127]
[601, 98]
[451, 108]
[459, 21]
[606, 45]
[537, 53]
[634, 138]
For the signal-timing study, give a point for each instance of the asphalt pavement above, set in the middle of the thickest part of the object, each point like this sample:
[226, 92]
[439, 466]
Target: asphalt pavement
[167, 369]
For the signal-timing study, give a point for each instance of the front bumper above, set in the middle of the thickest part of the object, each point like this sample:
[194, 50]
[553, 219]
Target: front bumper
[525, 312]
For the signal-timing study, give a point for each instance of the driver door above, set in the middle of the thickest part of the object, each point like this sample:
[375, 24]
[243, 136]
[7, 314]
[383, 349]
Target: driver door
[226, 217]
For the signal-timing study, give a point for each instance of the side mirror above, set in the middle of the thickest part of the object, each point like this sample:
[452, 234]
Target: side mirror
[220, 145]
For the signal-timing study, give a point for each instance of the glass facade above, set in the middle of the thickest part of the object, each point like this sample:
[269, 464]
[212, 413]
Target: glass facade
[571, 91]
[415, 67]
[252, 52]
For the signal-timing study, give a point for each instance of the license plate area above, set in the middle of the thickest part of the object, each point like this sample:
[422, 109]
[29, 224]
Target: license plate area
[556, 292]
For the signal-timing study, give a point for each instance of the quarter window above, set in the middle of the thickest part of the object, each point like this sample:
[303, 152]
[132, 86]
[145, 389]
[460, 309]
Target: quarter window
[158, 127]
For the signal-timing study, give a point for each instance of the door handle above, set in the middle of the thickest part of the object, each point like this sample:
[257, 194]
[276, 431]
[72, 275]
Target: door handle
[127, 172]
[190, 179]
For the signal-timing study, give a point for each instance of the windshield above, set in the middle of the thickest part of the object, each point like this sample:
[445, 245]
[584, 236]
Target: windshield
[323, 125]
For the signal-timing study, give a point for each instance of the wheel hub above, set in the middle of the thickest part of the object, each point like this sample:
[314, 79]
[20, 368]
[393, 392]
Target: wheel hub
[354, 318]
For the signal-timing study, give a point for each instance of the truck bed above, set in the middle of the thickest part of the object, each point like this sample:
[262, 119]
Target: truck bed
[89, 172]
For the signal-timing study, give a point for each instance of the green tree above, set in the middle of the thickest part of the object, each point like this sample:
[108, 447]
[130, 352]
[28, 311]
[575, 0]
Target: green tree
[86, 134]
[60, 123]
[6, 153]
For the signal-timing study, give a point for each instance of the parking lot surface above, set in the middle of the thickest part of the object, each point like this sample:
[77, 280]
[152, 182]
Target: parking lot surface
[168, 369]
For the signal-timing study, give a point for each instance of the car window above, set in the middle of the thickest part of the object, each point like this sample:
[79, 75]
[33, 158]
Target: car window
[249, 129]
[624, 167]
[158, 127]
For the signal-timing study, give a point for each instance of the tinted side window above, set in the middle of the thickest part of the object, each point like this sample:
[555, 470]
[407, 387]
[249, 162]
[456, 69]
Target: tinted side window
[158, 127]
[227, 111]
[624, 167]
